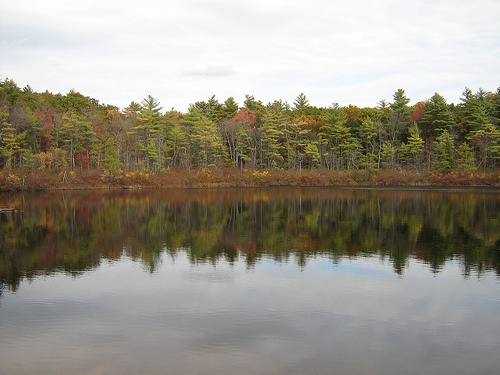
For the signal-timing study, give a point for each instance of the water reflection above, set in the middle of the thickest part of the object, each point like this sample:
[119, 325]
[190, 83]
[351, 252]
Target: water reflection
[356, 316]
[269, 281]
[75, 231]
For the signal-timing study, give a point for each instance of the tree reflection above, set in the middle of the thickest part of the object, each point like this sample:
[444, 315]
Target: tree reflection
[75, 231]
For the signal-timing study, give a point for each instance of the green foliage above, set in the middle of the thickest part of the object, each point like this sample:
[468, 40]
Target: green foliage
[487, 145]
[339, 145]
[236, 137]
[412, 151]
[176, 147]
[229, 109]
[211, 109]
[272, 132]
[466, 161]
[311, 152]
[301, 103]
[369, 136]
[444, 152]
[44, 131]
[205, 141]
[388, 154]
[147, 132]
[398, 117]
[11, 142]
[471, 113]
[437, 117]
[78, 138]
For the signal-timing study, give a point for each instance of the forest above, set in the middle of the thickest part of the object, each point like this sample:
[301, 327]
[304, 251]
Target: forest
[52, 140]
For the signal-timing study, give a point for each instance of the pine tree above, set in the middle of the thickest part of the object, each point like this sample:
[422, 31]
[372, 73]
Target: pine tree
[437, 117]
[471, 113]
[206, 142]
[495, 112]
[296, 139]
[272, 136]
[412, 151]
[487, 145]
[466, 161]
[147, 131]
[229, 108]
[398, 118]
[388, 155]
[10, 142]
[444, 153]
[340, 147]
[78, 138]
[301, 103]
[367, 134]
[176, 147]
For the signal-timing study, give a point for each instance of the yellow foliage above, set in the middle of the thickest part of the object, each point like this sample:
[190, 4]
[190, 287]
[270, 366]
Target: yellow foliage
[260, 176]
[14, 181]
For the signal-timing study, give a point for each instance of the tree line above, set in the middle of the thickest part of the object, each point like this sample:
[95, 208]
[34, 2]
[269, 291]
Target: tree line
[45, 131]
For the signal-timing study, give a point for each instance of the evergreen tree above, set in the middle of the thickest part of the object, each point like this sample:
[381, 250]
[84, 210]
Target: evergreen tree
[340, 147]
[312, 154]
[148, 132]
[388, 155]
[487, 146]
[211, 109]
[398, 118]
[412, 151]
[472, 115]
[272, 133]
[78, 138]
[301, 103]
[10, 142]
[177, 147]
[296, 139]
[206, 142]
[229, 108]
[256, 107]
[444, 152]
[437, 117]
[495, 108]
[44, 130]
[111, 160]
[466, 161]
[367, 134]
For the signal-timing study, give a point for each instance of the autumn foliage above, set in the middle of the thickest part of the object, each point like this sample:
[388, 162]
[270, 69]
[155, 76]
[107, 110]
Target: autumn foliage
[73, 141]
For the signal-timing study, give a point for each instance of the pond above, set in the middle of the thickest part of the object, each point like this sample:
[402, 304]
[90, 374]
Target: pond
[250, 281]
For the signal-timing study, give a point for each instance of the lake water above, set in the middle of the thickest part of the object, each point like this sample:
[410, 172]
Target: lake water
[250, 281]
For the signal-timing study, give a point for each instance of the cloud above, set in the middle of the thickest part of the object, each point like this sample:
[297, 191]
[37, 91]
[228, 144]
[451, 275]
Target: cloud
[354, 52]
[211, 70]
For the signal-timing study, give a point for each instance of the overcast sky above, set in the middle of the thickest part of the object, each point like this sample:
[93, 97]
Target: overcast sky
[181, 51]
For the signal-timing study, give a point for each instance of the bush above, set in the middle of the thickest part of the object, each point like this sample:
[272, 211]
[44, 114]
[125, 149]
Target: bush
[10, 181]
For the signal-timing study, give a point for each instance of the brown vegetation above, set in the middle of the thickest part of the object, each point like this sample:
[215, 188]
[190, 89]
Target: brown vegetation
[231, 177]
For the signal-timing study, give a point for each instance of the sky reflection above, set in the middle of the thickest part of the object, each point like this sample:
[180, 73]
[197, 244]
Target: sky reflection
[356, 316]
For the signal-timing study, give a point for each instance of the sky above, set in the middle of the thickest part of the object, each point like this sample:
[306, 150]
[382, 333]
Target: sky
[182, 51]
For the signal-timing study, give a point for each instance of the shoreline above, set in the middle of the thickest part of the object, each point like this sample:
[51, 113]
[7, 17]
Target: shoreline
[46, 180]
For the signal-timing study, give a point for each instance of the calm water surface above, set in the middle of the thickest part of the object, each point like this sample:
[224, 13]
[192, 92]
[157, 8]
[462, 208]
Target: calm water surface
[244, 281]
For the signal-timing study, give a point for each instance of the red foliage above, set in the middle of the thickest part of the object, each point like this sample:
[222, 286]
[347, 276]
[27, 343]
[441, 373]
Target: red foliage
[83, 159]
[418, 113]
[245, 116]
[46, 118]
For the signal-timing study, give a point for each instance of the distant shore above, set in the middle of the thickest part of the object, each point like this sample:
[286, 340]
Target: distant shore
[233, 177]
